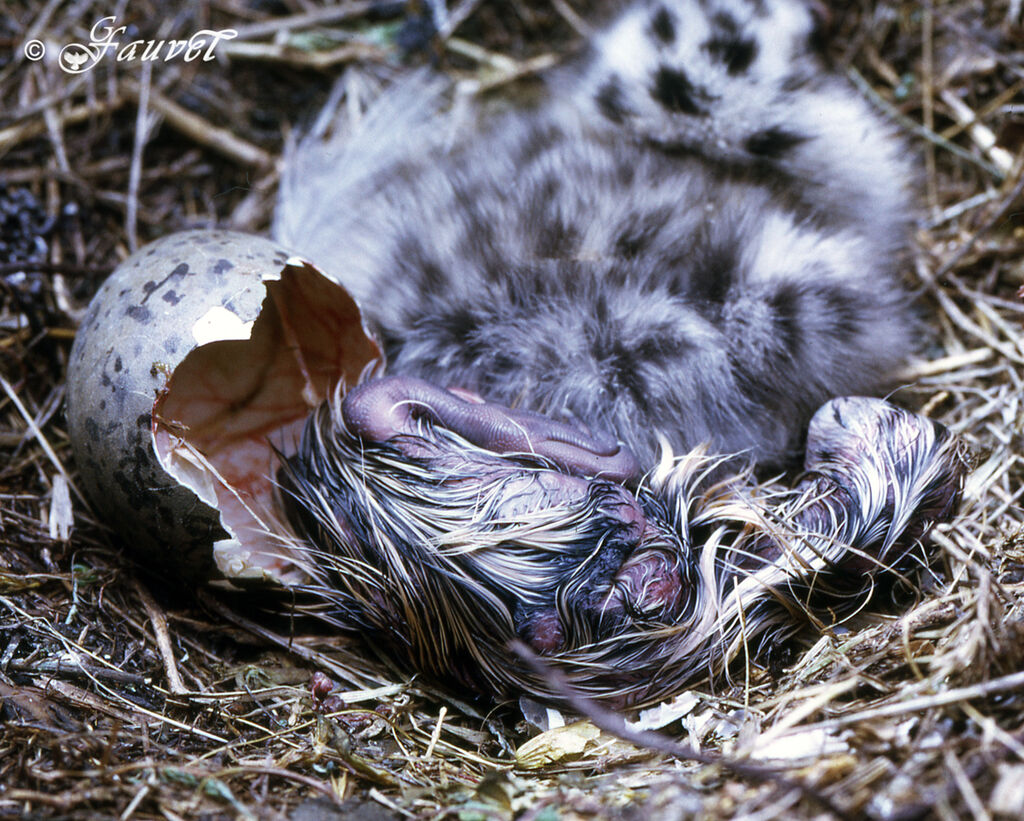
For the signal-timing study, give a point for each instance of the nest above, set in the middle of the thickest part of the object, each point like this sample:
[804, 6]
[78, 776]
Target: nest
[123, 697]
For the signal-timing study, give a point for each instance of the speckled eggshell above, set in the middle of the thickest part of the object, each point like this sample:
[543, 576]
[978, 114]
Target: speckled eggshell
[137, 329]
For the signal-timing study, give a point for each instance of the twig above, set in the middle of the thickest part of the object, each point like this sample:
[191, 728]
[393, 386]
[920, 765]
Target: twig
[944, 364]
[1004, 684]
[964, 786]
[66, 667]
[916, 128]
[980, 133]
[163, 639]
[137, 799]
[16, 134]
[66, 801]
[436, 734]
[315, 784]
[984, 228]
[928, 100]
[331, 14]
[202, 130]
[131, 713]
[1000, 101]
[56, 132]
[456, 18]
[614, 724]
[45, 445]
[135, 170]
[287, 55]
[495, 61]
[578, 24]
[299, 650]
[960, 208]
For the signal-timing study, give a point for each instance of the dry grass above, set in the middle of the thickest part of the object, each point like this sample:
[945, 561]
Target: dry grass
[123, 699]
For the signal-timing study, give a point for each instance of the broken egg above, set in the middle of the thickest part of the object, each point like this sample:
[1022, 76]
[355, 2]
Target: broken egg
[193, 371]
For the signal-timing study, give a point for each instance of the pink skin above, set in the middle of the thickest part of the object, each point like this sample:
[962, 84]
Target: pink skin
[647, 582]
[544, 631]
[381, 409]
[528, 491]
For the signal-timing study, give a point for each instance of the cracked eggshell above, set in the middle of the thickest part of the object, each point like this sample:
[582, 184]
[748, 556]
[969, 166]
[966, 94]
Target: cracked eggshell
[197, 360]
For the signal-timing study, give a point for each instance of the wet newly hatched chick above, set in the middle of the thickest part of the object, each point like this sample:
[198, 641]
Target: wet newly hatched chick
[696, 236]
[433, 535]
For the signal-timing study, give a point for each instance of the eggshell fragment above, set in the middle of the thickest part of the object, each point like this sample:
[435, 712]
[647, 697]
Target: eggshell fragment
[197, 360]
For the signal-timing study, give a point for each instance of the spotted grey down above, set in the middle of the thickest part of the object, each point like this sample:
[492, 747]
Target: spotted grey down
[697, 234]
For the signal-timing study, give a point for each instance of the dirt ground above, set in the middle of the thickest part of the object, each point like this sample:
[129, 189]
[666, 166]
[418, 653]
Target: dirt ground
[125, 696]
